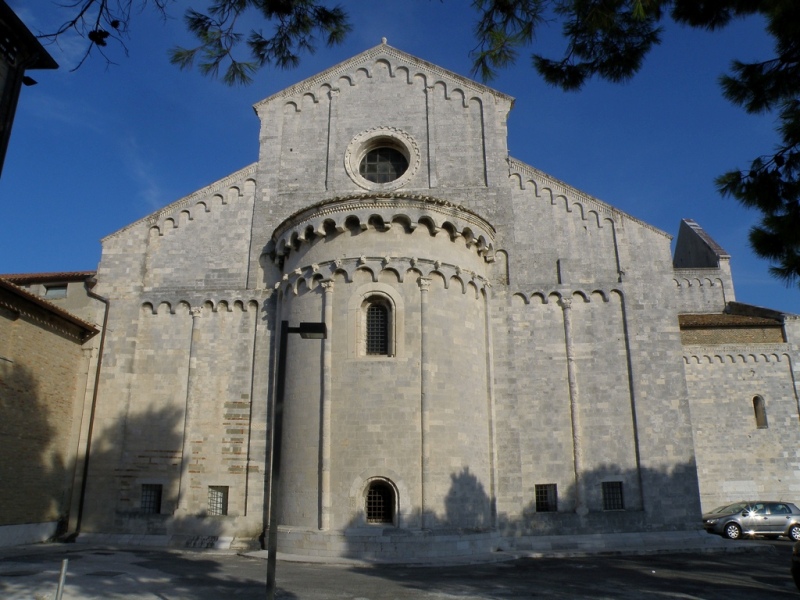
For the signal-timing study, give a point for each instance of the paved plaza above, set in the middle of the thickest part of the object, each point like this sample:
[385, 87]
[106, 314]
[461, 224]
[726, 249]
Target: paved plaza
[745, 570]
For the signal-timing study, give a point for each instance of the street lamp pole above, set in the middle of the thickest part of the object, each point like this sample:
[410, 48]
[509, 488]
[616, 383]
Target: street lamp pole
[314, 331]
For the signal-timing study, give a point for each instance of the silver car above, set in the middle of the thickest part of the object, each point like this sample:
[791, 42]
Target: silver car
[770, 519]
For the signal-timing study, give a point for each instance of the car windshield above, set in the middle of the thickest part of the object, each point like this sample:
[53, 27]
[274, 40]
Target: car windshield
[729, 509]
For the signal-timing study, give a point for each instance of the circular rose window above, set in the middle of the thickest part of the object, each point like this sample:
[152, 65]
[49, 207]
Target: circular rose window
[381, 159]
[383, 165]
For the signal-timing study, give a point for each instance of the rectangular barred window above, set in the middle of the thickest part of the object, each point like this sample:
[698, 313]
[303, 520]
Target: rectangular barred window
[151, 498]
[612, 495]
[218, 500]
[546, 497]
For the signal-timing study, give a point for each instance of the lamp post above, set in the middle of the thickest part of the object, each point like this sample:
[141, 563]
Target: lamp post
[307, 331]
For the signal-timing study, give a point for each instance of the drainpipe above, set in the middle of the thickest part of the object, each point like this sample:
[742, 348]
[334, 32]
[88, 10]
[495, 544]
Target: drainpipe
[88, 284]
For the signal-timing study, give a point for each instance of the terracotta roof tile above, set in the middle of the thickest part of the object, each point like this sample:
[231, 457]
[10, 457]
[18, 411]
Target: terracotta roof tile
[725, 320]
[49, 306]
[28, 278]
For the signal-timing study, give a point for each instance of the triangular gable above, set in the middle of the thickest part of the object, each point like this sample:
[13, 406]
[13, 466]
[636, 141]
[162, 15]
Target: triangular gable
[396, 58]
[248, 172]
[545, 184]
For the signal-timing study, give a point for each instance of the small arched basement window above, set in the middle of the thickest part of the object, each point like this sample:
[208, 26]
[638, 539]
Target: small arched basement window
[760, 410]
[378, 319]
[380, 503]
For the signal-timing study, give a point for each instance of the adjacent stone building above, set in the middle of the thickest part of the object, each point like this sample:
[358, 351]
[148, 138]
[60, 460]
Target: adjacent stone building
[45, 352]
[506, 357]
[742, 376]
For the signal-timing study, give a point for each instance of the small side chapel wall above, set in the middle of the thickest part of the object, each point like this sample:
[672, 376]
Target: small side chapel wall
[737, 459]
[702, 290]
[138, 424]
[702, 271]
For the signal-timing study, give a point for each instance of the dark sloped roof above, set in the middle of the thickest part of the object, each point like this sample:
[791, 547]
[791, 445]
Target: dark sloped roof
[712, 244]
[48, 306]
[28, 278]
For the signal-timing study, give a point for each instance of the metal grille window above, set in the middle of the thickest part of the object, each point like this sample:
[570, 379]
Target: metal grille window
[383, 165]
[151, 498]
[612, 495]
[377, 329]
[218, 500]
[380, 503]
[546, 497]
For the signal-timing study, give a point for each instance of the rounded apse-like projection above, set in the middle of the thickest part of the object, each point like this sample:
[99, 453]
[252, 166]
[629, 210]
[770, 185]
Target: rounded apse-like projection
[382, 159]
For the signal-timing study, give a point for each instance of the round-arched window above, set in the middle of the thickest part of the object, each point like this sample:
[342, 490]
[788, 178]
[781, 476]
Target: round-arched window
[380, 503]
[760, 409]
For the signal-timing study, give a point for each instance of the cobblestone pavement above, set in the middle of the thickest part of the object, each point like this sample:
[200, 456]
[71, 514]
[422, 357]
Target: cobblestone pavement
[759, 570]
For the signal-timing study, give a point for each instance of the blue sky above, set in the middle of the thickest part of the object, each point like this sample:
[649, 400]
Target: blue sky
[94, 150]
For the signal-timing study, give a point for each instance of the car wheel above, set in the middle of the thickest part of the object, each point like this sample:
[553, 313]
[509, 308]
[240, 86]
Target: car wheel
[734, 532]
[794, 532]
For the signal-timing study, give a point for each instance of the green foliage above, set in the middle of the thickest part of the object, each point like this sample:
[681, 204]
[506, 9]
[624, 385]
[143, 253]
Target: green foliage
[772, 183]
[503, 27]
[609, 38]
[296, 27]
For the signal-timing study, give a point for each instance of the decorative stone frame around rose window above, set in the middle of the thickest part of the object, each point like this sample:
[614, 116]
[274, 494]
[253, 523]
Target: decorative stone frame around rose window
[373, 139]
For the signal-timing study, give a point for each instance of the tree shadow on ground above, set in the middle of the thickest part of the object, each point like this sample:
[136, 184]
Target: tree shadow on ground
[654, 513]
[745, 575]
[102, 572]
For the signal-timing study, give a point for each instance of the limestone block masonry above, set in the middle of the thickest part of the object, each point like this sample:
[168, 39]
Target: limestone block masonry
[503, 358]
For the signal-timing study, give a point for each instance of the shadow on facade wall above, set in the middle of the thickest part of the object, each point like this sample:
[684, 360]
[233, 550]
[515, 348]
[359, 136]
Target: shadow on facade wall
[34, 469]
[670, 503]
[661, 499]
[466, 505]
[147, 450]
[113, 505]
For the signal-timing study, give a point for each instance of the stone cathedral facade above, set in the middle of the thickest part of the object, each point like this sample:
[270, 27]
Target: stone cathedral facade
[506, 357]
